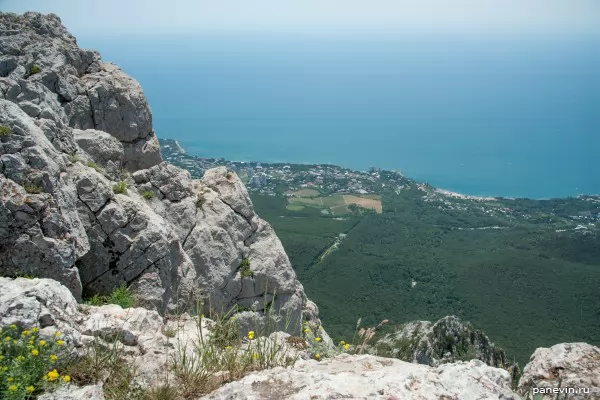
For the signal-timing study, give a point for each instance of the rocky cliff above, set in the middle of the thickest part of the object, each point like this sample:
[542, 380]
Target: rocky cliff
[85, 198]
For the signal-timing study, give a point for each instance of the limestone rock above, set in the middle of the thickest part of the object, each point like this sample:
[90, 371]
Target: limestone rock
[71, 392]
[370, 377]
[79, 127]
[447, 340]
[42, 303]
[565, 365]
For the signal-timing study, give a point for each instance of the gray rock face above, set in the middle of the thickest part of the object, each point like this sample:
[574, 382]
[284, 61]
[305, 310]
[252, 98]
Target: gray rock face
[370, 377]
[566, 370]
[78, 129]
[447, 340]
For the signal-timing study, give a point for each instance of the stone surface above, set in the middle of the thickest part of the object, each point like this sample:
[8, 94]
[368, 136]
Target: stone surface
[444, 341]
[72, 392]
[370, 377]
[565, 365]
[79, 127]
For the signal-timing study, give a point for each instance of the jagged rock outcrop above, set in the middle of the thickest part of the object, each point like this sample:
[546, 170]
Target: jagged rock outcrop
[447, 340]
[370, 377]
[566, 371]
[86, 199]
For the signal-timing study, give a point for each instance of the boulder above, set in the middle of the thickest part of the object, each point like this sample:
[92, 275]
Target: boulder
[565, 370]
[370, 377]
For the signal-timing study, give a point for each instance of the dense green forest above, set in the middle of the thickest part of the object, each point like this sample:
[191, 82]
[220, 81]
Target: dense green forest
[520, 270]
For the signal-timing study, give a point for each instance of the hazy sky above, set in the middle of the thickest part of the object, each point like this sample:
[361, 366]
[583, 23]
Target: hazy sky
[476, 17]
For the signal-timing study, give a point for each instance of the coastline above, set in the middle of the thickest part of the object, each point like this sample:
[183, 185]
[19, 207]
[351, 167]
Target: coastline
[437, 189]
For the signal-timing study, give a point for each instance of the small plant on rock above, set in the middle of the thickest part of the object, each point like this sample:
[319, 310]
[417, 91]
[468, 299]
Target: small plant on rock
[122, 296]
[120, 187]
[35, 69]
[148, 195]
[5, 130]
[73, 158]
[33, 188]
[245, 270]
[29, 364]
[95, 166]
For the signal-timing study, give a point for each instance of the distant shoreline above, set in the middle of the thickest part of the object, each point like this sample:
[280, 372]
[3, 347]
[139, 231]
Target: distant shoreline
[447, 192]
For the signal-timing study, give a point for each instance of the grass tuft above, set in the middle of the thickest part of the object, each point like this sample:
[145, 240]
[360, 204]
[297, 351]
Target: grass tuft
[5, 130]
[245, 270]
[120, 187]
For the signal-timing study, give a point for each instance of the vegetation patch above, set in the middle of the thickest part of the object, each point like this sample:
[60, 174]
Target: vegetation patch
[5, 130]
[96, 167]
[245, 270]
[33, 188]
[121, 296]
[35, 69]
[120, 187]
[29, 364]
[148, 195]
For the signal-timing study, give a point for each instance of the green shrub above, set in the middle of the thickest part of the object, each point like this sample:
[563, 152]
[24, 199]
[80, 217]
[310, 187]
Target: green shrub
[148, 195]
[73, 158]
[95, 166]
[5, 130]
[33, 188]
[120, 187]
[35, 69]
[29, 364]
[245, 268]
[122, 296]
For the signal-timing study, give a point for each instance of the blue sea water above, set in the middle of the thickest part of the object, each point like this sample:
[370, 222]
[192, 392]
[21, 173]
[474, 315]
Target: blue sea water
[503, 117]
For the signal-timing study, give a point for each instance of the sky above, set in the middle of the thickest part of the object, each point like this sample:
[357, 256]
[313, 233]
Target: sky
[406, 17]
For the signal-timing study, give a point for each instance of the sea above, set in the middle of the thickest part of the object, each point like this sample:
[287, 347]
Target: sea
[495, 116]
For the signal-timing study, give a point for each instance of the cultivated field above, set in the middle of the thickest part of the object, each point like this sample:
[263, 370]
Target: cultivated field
[337, 204]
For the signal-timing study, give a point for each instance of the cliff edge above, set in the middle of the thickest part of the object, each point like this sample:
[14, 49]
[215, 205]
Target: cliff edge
[85, 198]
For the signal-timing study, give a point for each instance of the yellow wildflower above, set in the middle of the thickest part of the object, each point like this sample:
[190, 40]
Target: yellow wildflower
[346, 346]
[13, 326]
[342, 343]
[35, 352]
[12, 388]
[255, 356]
[67, 378]
[11, 379]
[307, 330]
[7, 339]
[227, 347]
[35, 330]
[42, 343]
[30, 389]
[53, 375]
[318, 356]
[58, 334]
[25, 333]
[21, 358]
[53, 357]
[251, 335]
[60, 342]
[318, 339]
